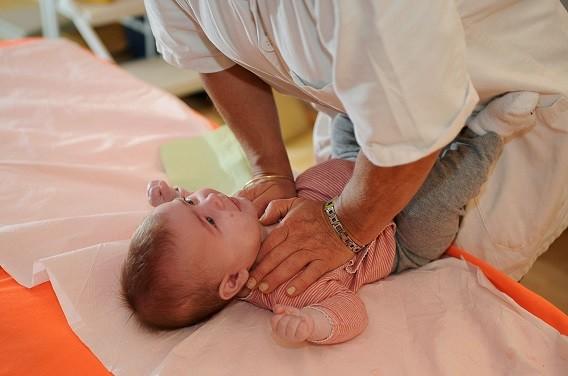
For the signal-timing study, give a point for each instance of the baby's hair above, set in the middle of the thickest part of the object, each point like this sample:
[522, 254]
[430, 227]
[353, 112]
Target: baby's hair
[150, 288]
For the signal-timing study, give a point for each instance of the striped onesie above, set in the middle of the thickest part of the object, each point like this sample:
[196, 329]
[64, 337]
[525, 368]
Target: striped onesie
[335, 293]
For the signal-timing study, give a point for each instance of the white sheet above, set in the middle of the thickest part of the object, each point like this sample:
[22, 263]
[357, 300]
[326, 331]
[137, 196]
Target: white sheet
[444, 319]
[79, 139]
[79, 142]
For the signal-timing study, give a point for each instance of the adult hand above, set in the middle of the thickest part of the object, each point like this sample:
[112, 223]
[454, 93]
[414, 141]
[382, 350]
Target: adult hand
[262, 192]
[303, 239]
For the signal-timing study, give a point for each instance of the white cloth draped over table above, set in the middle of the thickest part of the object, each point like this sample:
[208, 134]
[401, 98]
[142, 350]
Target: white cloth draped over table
[409, 74]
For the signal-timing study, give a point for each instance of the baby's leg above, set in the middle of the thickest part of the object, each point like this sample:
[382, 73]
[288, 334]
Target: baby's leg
[428, 225]
[343, 142]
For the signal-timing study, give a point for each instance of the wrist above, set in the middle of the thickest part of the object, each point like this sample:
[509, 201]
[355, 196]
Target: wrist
[353, 221]
[276, 163]
[322, 324]
[268, 177]
[268, 170]
[339, 228]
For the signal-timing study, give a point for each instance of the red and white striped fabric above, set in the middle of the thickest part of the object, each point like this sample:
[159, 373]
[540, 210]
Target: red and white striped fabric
[335, 293]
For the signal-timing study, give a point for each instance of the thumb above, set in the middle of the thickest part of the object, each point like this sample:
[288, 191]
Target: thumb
[276, 209]
[284, 309]
[258, 202]
[278, 309]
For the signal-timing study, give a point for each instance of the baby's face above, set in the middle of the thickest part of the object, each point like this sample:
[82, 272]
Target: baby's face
[220, 233]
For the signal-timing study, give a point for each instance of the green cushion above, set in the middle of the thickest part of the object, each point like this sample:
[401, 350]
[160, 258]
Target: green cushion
[213, 160]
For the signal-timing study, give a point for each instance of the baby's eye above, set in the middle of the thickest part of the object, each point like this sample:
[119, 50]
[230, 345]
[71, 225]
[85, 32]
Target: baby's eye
[189, 201]
[210, 220]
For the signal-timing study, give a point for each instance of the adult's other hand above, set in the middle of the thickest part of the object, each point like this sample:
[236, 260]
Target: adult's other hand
[302, 242]
[262, 192]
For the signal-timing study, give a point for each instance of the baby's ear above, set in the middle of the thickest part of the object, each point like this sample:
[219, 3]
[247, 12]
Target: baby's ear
[232, 284]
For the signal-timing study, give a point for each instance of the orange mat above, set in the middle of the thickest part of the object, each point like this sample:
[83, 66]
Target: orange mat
[17, 42]
[35, 337]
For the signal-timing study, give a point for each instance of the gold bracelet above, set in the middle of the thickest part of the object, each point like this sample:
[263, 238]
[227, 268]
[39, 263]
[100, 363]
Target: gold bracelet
[266, 177]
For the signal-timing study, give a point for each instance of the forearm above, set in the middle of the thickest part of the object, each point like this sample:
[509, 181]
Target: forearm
[247, 105]
[375, 195]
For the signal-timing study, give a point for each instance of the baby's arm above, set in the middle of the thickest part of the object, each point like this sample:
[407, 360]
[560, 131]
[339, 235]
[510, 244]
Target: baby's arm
[158, 192]
[336, 319]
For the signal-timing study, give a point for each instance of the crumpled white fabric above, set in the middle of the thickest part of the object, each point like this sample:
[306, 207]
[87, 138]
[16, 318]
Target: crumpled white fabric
[523, 207]
[79, 140]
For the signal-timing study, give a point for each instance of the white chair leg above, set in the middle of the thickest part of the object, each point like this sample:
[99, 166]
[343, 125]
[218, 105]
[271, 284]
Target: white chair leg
[150, 42]
[49, 23]
[91, 38]
[87, 32]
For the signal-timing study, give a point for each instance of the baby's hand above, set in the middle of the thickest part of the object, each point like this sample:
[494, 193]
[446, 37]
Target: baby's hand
[291, 324]
[158, 192]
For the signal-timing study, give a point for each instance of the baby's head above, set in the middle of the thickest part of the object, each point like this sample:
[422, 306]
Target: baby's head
[189, 258]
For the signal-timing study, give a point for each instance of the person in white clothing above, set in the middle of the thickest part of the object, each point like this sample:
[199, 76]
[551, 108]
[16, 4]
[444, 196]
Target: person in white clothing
[407, 74]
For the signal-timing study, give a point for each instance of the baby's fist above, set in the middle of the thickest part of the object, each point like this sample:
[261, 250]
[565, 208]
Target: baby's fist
[158, 192]
[291, 324]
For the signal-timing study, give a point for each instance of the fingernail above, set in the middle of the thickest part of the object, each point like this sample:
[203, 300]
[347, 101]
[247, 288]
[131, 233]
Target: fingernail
[263, 286]
[291, 290]
[251, 283]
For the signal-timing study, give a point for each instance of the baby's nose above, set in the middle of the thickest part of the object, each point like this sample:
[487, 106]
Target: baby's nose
[217, 200]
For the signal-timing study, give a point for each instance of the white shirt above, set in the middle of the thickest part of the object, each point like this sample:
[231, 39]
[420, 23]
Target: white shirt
[397, 68]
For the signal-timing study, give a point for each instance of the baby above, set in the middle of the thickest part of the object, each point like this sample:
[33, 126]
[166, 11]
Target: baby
[191, 256]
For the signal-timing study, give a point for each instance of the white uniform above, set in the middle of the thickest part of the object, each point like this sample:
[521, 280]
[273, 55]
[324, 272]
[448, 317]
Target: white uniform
[408, 74]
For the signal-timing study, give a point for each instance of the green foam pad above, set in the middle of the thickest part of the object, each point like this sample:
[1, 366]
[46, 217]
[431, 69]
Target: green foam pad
[214, 160]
